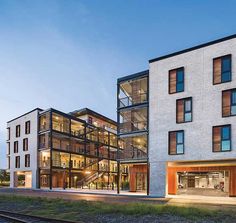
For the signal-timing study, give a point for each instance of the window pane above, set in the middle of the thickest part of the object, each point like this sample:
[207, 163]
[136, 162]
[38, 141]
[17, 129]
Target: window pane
[226, 64]
[180, 75]
[226, 145]
[233, 110]
[180, 149]
[225, 133]
[188, 117]
[234, 97]
[180, 87]
[187, 105]
[180, 137]
[226, 76]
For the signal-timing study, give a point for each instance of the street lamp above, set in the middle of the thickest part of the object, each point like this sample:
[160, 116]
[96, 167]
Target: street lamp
[64, 174]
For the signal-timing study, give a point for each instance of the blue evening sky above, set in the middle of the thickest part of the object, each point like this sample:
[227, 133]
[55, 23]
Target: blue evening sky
[67, 54]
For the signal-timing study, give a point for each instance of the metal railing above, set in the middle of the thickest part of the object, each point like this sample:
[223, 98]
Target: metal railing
[133, 126]
[135, 99]
[132, 153]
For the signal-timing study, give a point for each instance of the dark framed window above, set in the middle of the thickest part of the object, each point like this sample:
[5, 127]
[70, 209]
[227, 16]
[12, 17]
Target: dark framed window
[184, 110]
[229, 103]
[90, 120]
[221, 138]
[176, 142]
[233, 102]
[16, 147]
[27, 127]
[176, 80]
[18, 131]
[8, 148]
[17, 162]
[222, 69]
[8, 134]
[27, 160]
[25, 144]
[9, 162]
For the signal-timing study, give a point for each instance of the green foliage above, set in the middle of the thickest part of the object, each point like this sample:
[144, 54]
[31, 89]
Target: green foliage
[72, 210]
[4, 176]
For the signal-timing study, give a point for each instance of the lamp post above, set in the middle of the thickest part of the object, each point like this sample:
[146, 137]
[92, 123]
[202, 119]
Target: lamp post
[64, 174]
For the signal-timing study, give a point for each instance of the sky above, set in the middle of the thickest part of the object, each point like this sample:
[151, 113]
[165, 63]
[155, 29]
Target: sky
[68, 54]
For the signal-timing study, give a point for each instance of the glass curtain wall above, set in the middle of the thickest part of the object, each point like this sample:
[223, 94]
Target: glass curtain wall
[132, 116]
[133, 92]
[75, 154]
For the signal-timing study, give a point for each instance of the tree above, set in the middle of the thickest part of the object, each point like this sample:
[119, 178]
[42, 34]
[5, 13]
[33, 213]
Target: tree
[4, 176]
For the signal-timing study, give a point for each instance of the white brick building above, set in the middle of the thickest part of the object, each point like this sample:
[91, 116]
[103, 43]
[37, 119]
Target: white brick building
[198, 68]
[22, 143]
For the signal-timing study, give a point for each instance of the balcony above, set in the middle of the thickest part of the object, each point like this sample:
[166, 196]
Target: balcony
[136, 99]
[128, 127]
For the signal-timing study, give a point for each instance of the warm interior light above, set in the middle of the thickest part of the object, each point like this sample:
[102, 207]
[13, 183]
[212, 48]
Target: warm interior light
[57, 118]
[87, 172]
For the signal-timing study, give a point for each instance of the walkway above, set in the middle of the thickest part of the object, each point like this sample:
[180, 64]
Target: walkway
[181, 200]
[101, 192]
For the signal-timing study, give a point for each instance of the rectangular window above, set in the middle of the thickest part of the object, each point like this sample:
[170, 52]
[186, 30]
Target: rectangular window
[176, 142]
[229, 103]
[233, 102]
[8, 134]
[27, 160]
[184, 110]
[18, 131]
[16, 147]
[27, 127]
[25, 144]
[222, 69]
[90, 120]
[8, 148]
[9, 162]
[17, 162]
[176, 80]
[221, 138]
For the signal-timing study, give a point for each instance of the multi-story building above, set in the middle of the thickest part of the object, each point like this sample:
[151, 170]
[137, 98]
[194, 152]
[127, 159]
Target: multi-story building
[176, 132]
[177, 122]
[192, 120]
[22, 144]
[52, 149]
[132, 116]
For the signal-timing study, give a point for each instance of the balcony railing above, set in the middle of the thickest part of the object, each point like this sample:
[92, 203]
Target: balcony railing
[136, 99]
[45, 163]
[132, 153]
[133, 126]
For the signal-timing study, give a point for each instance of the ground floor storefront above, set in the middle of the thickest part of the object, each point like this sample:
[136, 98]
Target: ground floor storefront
[130, 178]
[23, 179]
[134, 177]
[207, 179]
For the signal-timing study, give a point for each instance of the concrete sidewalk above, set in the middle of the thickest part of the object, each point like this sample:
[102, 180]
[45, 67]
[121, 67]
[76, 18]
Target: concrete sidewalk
[203, 200]
[100, 192]
[180, 200]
